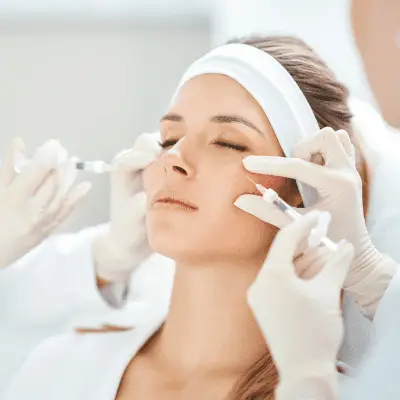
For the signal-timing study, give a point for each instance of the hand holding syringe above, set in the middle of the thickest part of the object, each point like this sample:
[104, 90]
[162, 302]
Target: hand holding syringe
[97, 167]
[270, 196]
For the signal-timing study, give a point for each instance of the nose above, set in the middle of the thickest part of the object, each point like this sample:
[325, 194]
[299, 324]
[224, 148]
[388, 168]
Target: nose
[178, 161]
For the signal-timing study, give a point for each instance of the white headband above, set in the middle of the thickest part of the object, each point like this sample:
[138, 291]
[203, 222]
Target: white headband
[272, 87]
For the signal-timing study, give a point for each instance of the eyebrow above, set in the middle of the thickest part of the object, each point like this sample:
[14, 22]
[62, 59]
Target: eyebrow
[231, 119]
[218, 119]
[172, 117]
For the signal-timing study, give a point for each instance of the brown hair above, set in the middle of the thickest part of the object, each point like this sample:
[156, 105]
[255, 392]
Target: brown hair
[329, 100]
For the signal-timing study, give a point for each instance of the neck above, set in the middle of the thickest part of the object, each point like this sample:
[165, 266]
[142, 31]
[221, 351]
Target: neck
[210, 326]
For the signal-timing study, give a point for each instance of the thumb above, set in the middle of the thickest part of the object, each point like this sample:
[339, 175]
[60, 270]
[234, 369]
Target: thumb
[124, 175]
[148, 143]
[139, 206]
[337, 267]
[287, 240]
[263, 210]
[132, 160]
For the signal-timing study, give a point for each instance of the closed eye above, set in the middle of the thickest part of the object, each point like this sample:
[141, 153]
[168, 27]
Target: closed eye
[232, 146]
[171, 142]
[168, 143]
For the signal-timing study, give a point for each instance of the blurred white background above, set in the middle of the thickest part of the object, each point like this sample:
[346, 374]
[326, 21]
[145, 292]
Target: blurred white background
[96, 73]
[93, 75]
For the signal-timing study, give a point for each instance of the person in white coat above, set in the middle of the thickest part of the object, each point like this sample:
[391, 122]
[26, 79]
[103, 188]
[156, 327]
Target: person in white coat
[47, 286]
[215, 138]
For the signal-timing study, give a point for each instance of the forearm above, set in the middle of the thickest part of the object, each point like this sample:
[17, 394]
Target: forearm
[311, 387]
[55, 281]
[369, 281]
[106, 259]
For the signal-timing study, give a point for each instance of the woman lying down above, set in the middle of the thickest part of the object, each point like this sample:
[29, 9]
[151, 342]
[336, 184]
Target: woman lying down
[256, 97]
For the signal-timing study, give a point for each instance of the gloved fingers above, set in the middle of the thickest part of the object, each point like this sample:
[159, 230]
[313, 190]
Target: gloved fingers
[133, 160]
[326, 143]
[139, 207]
[261, 209]
[337, 267]
[287, 240]
[344, 138]
[316, 176]
[145, 143]
[7, 170]
[46, 192]
[317, 233]
[124, 175]
[47, 158]
[142, 252]
[148, 143]
[68, 205]
[310, 263]
[51, 154]
[30, 180]
[66, 175]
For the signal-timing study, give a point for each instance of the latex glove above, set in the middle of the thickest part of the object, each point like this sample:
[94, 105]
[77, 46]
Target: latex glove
[340, 193]
[301, 319]
[34, 202]
[124, 245]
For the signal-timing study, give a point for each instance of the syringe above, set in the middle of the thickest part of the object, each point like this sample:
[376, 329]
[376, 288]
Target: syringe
[97, 167]
[272, 197]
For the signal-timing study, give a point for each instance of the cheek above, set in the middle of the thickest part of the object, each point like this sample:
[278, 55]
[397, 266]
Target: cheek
[269, 181]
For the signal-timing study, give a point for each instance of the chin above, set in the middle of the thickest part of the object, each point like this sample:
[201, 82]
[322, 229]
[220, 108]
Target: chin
[178, 253]
[175, 245]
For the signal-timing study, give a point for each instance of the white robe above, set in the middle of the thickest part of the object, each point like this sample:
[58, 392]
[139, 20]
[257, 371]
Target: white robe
[90, 366]
[53, 289]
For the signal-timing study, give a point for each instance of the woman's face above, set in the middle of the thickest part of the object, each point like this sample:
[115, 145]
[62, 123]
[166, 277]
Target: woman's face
[192, 186]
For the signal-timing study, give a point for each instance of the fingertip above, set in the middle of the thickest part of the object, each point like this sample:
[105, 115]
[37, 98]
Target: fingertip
[245, 201]
[251, 162]
[132, 160]
[140, 200]
[148, 142]
[18, 144]
[86, 186]
[83, 189]
[327, 130]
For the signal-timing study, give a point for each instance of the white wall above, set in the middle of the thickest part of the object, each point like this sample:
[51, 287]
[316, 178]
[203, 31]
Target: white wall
[101, 9]
[95, 87]
[324, 25]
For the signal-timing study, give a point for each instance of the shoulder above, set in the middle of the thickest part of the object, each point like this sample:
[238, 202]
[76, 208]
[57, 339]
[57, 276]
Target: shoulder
[59, 364]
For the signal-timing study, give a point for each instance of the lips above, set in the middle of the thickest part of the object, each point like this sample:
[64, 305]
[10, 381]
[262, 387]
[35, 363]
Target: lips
[172, 200]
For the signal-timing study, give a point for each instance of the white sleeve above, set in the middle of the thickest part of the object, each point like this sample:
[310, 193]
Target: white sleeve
[314, 388]
[387, 314]
[54, 282]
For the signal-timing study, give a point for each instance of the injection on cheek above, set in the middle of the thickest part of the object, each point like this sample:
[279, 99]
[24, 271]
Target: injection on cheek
[317, 234]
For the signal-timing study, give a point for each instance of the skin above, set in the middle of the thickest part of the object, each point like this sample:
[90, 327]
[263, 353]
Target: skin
[218, 248]
[376, 32]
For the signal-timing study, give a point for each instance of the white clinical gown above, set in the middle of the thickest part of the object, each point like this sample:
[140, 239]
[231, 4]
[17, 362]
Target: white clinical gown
[90, 366]
[53, 289]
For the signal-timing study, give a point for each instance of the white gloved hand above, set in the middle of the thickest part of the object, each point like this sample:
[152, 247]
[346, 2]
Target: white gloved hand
[34, 202]
[124, 245]
[301, 319]
[340, 193]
